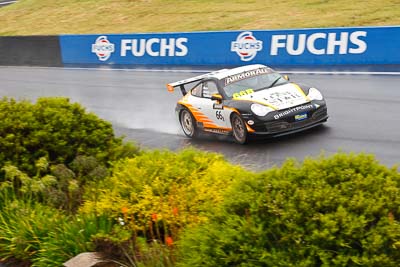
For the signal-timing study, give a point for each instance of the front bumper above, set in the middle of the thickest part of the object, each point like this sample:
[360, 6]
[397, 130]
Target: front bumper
[291, 124]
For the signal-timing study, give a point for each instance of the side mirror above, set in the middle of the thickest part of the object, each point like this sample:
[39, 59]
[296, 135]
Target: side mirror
[286, 77]
[217, 97]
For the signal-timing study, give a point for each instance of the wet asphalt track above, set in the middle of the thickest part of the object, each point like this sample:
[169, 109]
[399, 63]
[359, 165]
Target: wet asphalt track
[364, 112]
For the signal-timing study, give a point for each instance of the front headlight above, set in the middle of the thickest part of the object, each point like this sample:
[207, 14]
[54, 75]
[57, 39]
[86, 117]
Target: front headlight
[260, 110]
[314, 94]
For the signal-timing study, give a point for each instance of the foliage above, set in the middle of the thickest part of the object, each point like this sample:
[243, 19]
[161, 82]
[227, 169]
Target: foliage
[55, 129]
[338, 211]
[24, 227]
[70, 238]
[32, 232]
[158, 193]
[62, 188]
[126, 248]
[69, 186]
[49, 152]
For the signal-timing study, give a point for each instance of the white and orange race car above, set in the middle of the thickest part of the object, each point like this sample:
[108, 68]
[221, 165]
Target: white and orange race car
[248, 100]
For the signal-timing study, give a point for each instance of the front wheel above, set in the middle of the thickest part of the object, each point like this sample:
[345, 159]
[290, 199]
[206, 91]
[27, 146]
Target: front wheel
[239, 130]
[188, 123]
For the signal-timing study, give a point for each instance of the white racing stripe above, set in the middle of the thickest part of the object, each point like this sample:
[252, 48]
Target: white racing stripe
[210, 70]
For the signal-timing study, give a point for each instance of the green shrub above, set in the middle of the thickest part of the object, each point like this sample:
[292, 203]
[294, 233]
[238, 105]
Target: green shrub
[339, 211]
[62, 188]
[24, 227]
[42, 236]
[182, 187]
[70, 238]
[158, 193]
[55, 129]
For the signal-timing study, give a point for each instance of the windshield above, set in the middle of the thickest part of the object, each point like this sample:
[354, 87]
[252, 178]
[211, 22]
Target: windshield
[253, 84]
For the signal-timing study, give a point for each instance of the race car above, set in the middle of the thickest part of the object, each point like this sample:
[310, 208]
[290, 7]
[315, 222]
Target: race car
[247, 100]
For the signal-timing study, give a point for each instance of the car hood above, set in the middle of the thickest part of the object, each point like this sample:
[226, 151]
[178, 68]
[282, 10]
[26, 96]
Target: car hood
[278, 97]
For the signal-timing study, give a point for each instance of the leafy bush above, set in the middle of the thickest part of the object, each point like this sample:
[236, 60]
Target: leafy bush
[55, 129]
[158, 193]
[24, 227]
[70, 238]
[174, 187]
[62, 188]
[41, 236]
[340, 211]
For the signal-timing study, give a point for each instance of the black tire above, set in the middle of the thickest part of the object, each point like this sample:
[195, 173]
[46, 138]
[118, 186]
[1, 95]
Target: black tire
[239, 129]
[188, 123]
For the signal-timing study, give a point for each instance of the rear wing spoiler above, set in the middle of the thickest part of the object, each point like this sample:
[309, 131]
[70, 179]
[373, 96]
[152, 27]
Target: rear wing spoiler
[182, 83]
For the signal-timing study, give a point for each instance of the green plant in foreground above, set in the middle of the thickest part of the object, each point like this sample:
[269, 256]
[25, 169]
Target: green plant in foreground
[62, 188]
[155, 195]
[44, 236]
[127, 248]
[55, 129]
[338, 211]
[52, 149]
[70, 238]
[24, 227]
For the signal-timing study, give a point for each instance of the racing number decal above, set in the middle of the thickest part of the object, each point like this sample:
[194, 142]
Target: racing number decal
[219, 116]
[205, 112]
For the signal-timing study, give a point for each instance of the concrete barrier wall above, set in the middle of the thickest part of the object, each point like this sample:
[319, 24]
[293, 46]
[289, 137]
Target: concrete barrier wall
[30, 51]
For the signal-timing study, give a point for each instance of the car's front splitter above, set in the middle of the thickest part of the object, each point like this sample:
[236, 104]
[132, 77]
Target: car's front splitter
[292, 130]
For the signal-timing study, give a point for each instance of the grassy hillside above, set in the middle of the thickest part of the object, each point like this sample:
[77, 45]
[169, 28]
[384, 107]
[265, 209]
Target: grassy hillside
[41, 17]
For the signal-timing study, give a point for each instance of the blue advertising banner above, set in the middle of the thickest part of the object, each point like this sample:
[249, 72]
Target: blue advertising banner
[327, 46]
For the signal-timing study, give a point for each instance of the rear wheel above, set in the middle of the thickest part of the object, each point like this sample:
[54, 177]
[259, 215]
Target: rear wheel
[188, 123]
[239, 130]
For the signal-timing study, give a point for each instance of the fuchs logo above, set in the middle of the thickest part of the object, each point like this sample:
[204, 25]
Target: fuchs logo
[246, 46]
[103, 48]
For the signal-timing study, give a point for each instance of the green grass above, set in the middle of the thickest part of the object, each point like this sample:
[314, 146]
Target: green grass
[46, 17]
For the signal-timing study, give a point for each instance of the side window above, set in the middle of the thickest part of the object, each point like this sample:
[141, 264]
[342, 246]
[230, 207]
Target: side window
[196, 91]
[209, 88]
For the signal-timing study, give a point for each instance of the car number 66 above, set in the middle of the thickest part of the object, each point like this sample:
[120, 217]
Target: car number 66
[219, 115]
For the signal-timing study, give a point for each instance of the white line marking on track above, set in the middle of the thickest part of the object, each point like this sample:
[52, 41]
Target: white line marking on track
[209, 70]
[7, 3]
[343, 72]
